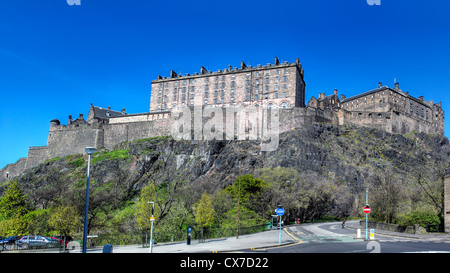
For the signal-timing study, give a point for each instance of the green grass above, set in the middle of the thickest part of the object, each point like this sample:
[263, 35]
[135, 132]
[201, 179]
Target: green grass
[115, 154]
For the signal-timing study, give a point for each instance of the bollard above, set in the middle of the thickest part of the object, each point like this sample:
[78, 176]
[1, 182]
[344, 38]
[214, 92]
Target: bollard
[358, 233]
[372, 234]
[188, 239]
[108, 248]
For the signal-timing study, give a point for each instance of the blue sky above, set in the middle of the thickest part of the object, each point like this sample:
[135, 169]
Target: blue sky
[56, 59]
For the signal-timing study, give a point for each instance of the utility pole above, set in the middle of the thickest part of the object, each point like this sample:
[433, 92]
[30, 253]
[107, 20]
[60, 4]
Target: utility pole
[90, 151]
[239, 205]
[367, 215]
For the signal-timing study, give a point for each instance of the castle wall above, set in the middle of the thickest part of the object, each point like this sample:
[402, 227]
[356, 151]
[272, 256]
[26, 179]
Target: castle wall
[119, 132]
[66, 140]
[13, 169]
[36, 155]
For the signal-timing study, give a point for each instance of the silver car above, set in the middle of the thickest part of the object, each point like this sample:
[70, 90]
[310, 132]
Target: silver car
[36, 241]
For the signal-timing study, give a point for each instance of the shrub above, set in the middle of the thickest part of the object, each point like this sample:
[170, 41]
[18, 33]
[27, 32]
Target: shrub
[419, 217]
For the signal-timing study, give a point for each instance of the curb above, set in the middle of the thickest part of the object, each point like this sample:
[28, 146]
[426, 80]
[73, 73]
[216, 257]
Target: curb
[297, 241]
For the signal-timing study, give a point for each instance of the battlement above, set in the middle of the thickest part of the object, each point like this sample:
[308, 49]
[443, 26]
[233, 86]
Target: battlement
[243, 67]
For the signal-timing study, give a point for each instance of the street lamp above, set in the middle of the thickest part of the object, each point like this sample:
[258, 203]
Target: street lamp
[89, 151]
[152, 219]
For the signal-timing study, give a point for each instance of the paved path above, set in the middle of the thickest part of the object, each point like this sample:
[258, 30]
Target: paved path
[249, 242]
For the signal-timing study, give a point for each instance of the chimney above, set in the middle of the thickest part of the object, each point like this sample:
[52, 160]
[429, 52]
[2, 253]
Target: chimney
[277, 62]
[342, 97]
[243, 66]
[321, 96]
[335, 92]
[109, 107]
[123, 111]
[70, 120]
[203, 70]
[380, 84]
[173, 74]
[396, 86]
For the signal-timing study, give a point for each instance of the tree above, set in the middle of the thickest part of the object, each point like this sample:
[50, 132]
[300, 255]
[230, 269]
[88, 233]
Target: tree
[144, 209]
[250, 189]
[13, 201]
[64, 219]
[204, 212]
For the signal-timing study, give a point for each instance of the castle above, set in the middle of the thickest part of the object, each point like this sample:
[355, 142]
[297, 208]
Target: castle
[278, 85]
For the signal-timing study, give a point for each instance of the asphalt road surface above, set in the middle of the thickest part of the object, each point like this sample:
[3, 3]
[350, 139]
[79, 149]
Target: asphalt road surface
[332, 238]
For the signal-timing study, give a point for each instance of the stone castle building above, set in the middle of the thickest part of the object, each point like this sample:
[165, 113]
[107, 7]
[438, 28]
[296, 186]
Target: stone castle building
[278, 85]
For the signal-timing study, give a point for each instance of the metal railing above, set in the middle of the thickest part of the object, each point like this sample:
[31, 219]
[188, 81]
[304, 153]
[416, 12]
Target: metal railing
[142, 238]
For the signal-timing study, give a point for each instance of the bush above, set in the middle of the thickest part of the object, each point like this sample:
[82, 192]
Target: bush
[420, 217]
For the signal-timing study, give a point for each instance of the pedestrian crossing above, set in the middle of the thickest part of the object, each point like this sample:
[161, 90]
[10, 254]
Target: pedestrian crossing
[308, 235]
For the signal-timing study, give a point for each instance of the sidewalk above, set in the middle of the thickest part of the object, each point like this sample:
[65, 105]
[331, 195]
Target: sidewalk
[428, 236]
[249, 242]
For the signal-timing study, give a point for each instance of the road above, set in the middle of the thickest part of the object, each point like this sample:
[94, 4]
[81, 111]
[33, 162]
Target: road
[332, 238]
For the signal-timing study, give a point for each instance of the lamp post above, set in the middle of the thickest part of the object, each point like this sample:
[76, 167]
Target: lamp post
[152, 219]
[89, 151]
[367, 215]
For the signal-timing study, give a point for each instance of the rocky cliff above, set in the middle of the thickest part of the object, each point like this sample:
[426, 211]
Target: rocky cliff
[351, 157]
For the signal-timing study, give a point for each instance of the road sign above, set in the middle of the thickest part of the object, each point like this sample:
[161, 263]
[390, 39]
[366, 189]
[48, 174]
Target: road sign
[366, 209]
[279, 211]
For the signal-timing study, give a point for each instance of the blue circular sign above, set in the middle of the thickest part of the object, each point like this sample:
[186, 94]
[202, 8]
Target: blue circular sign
[279, 211]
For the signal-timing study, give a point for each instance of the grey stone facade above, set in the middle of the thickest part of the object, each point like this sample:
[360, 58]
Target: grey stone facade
[278, 84]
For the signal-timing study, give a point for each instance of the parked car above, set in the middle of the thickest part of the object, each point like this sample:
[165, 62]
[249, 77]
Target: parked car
[10, 240]
[61, 239]
[36, 241]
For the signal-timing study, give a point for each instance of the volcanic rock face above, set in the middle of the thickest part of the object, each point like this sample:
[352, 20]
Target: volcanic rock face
[344, 154]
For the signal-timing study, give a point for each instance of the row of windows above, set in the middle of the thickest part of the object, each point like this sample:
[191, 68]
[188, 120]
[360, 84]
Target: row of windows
[283, 105]
[222, 78]
[414, 109]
